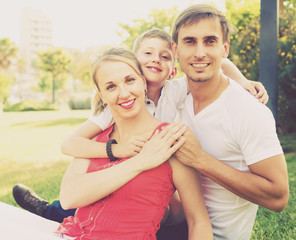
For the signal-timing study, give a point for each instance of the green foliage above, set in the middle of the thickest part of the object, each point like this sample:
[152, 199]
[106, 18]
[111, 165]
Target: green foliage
[5, 82]
[244, 52]
[162, 19]
[29, 105]
[54, 65]
[80, 103]
[80, 70]
[8, 51]
[287, 71]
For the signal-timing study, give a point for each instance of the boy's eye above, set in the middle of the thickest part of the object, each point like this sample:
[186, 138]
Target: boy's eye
[165, 57]
[148, 53]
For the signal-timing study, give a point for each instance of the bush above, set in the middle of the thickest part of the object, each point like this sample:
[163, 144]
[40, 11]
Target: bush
[80, 103]
[244, 52]
[29, 105]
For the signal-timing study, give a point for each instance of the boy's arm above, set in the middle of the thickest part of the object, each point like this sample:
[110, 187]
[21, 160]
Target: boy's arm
[79, 144]
[255, 88]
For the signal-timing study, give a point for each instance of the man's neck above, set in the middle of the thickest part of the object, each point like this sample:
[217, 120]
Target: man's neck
[205, 93]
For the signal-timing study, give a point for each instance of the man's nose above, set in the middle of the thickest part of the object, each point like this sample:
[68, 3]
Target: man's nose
[199, 51]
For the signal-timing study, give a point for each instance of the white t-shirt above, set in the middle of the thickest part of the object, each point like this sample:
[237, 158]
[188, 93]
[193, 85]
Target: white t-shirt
[171, 101]
[239, 131]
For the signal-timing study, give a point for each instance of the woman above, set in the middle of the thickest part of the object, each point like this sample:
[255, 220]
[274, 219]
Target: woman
[127, 198]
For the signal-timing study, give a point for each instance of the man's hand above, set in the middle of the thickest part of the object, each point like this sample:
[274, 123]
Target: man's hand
[190, 153]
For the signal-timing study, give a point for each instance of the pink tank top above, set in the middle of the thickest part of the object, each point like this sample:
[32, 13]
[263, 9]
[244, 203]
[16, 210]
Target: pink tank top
[133, 212]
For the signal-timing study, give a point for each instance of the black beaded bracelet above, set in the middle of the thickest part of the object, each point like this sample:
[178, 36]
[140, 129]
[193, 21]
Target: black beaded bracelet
[109, 150]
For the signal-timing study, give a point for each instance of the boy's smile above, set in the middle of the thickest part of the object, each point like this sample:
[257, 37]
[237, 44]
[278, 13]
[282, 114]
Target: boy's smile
[156, 59]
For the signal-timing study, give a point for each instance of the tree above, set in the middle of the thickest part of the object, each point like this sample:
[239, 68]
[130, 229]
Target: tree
[163, 19]
[8, 51]
[5, 83]
[80, 70]
[54, 65]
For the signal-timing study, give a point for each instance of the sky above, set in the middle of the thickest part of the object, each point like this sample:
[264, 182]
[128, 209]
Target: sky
[84, 23]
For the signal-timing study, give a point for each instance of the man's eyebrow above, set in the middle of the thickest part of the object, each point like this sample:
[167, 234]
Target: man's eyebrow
[188, 38]
[211, 36]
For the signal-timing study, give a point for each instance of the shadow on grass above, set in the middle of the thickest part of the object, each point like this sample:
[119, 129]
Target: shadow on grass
[51, 123]
[44, 179]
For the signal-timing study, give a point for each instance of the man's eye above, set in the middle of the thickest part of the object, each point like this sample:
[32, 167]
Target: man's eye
[189, 42]
[211, 41]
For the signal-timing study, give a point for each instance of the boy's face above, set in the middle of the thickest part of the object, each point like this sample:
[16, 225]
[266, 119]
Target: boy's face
[156, 59]
[200, 49]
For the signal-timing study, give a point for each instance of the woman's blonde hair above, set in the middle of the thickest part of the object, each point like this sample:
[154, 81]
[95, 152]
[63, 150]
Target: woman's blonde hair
[114, 54]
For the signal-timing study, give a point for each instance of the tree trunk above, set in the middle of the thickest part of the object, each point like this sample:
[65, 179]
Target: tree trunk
[53, 90]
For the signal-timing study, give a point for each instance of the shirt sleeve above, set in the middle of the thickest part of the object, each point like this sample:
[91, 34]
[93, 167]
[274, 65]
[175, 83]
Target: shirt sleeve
[104, 119]
[257, 135]
[177, 90]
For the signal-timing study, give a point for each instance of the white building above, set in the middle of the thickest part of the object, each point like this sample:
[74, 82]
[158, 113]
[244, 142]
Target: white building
[36, 34]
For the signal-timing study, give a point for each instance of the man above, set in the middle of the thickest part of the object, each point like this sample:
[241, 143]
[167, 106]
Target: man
[240, 159]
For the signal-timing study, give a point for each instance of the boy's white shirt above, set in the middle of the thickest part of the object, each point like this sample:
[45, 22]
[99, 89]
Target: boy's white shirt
[170, 103]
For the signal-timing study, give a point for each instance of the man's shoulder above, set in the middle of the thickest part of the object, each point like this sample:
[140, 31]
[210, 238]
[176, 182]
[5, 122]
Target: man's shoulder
[239, 101]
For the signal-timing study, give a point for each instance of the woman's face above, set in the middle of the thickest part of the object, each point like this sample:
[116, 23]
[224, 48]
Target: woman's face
[121, 88]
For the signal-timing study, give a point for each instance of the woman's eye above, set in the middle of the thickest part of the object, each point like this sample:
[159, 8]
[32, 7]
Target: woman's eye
[110, 87]
[130, 80]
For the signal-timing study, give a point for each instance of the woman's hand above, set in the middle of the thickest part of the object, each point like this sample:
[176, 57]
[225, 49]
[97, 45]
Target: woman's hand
[162, 145]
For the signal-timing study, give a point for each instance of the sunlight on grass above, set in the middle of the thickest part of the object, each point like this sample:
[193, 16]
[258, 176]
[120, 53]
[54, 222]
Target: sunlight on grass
[30, 150]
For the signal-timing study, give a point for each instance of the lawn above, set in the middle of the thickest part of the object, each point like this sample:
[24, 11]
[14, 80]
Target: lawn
[30, 154]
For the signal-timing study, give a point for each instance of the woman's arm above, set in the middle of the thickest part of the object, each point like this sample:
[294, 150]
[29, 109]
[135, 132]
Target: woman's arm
[255, 88]
[188, 186]
[77, 189]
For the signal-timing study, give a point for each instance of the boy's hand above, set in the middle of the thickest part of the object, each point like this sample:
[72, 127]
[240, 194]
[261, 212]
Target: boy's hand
[130, 148]
[257, 89]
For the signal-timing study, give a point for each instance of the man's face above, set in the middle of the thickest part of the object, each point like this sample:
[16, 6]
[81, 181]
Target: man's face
[200, 49]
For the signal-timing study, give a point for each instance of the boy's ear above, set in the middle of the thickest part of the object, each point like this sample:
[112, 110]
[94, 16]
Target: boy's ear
[174, 49]
[173, 73]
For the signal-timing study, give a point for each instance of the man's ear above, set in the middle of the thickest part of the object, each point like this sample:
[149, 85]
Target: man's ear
[173, 73]
[174, 49]
[226, 49]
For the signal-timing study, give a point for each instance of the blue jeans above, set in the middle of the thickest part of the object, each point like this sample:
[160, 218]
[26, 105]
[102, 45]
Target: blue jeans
[56, 213]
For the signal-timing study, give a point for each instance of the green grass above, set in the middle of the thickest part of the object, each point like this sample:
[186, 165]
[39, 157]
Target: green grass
[30, 154]
[30, 150]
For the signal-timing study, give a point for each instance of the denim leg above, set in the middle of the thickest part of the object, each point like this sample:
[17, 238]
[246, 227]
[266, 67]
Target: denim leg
[56, 213]
[173, 232]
